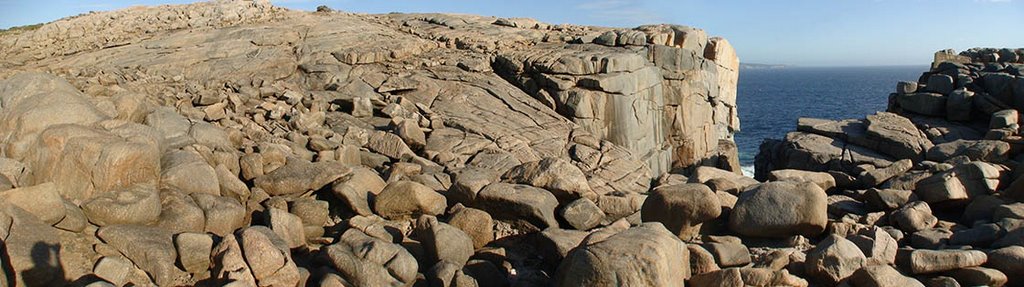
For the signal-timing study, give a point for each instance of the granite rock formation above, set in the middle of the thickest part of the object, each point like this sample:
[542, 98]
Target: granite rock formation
[234, 142]
[237, 143]
[939, 172]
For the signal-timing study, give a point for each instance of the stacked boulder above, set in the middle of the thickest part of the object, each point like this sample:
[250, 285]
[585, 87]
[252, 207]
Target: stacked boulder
[929, 188]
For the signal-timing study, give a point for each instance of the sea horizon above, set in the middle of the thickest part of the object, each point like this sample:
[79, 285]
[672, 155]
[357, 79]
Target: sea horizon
[858, 90]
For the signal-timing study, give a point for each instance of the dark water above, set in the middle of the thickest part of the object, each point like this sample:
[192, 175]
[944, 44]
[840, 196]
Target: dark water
[771, 100]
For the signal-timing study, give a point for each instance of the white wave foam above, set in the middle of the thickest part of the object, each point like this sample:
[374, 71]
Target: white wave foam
[747, 170]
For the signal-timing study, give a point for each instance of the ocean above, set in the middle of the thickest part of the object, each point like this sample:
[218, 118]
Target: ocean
[770, 100]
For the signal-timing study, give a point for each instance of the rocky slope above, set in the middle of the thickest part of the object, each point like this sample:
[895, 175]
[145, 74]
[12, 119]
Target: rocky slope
[938, 172]
[237, 143]
[233, 142]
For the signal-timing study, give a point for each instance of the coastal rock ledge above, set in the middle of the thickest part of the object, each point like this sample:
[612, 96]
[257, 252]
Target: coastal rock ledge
[932, 186]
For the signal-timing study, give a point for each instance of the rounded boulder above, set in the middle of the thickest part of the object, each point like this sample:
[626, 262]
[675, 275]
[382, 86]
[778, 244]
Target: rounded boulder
[780, 209]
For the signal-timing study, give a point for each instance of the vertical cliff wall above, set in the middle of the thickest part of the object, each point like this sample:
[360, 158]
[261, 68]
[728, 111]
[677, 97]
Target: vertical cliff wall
[666, 92]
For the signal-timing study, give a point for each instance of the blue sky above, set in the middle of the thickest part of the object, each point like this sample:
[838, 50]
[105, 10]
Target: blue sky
[798, 32]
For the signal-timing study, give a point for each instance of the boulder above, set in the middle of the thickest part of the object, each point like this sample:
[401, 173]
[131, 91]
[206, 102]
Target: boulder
[822, 179]
[115, 270]
[897, 136]
[887, 199]
[780, 209]
[312, 212]
[30, 101]
[979, 276]
[230, 185]
[74, 219]
[229, 263]
[877, 245]
[363, 260]
[932, 238]
[560, 177]
[449, 274]
[468, 182]
[411, 133]
[940, 83]
[408, 199]
[188, 172]
[959, 105]
[960, 184]
[933, 261]
[983, 150]
[813, 152]
[681, 208]
[179, 213]
[877, 176]
[1010, 261]
[704, 174]
[979, 235]
[747, 277]
[389, 144]
[268, 257]
[582, 214]
[443, 242]
[286, 226]
[554, 244]
[357, 188]
[474, 222]
[928, 104]
[68, 155]
[152, 249]
[834, 259]
[194, 250]
[905, 87]
[42, 200]
[299, 175]
[520, 203]
[658, 258]
[134, 205]
[223, 215]
[701, 260]
[728, 254]
[1009, 118]
[913, 217]
[881, 276]
[31, 249]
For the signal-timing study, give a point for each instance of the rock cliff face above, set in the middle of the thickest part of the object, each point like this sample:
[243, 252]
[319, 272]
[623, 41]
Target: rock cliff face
[940, 169]
[664, 93]
[235, 141]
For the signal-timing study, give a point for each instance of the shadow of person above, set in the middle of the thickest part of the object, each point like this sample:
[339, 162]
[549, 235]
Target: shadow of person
[46, 269]
[5, 265]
